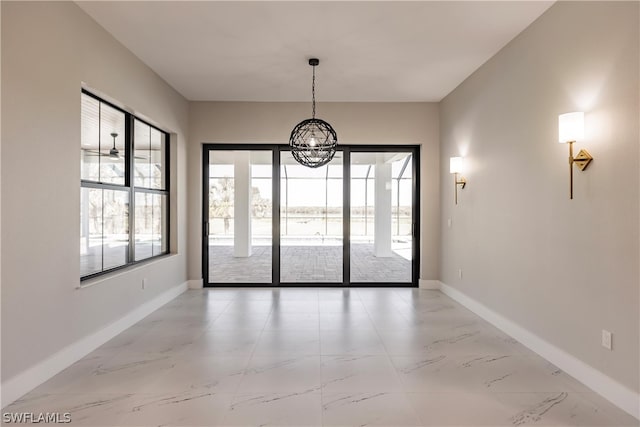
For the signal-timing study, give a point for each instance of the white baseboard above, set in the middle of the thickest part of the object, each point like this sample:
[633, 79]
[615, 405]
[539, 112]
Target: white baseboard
[618, 394]
[429, 284]
[195, 284]
[19, 385]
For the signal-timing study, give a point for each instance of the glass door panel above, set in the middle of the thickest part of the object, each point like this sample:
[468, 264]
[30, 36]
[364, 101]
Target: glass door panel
[381, 235]
[311, 208]
[240, 216]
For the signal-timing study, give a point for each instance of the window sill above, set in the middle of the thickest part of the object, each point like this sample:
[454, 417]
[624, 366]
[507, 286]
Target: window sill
[124, 270]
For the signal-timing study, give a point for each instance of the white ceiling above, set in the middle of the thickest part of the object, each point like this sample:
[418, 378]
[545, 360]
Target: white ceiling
[369, 51]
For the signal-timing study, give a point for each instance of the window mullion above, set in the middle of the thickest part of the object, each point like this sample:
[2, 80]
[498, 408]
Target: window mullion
[99, 141]
[102, 230]
[130, 181]
[102, 185]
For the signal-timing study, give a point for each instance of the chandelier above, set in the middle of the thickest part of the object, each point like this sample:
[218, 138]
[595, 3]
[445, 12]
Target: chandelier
[313, 141]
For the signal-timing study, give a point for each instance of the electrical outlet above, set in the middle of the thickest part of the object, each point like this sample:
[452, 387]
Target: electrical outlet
[144, 283]
[607, 339]
[449, 222]
[460, 273]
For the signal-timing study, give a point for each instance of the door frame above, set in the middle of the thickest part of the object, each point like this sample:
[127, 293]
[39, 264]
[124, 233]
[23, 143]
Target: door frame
[276, 150]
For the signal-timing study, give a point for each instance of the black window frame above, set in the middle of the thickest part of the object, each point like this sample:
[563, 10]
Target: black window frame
[131, 189]
[347, 150]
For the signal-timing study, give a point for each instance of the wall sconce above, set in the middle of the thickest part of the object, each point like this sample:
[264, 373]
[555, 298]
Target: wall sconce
[455, 167]
[570, 130]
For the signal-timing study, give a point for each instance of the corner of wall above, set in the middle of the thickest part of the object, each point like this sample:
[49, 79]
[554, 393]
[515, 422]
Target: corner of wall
[429, 284]
[195, 284]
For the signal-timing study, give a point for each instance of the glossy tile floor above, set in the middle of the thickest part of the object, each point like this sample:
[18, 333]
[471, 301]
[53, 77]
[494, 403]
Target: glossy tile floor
[302, 357]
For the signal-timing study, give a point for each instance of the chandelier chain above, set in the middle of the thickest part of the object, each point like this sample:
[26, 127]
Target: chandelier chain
[313, 93]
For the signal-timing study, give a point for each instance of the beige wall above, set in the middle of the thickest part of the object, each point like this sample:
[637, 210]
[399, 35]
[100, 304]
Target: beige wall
[515, 234]
[563, 269]
[355, 123]
[48, 50]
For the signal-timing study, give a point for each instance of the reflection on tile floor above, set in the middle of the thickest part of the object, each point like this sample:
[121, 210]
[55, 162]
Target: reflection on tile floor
[312, 357]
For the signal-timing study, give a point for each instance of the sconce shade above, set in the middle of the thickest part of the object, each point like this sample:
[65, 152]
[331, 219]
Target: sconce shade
[455, 165]
[570, 127]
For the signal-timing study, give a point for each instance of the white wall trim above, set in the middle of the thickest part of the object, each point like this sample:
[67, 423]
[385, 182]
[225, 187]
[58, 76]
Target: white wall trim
[122, 272]
[195, 284]
[429, 284]
[27, 380]
[618, 394]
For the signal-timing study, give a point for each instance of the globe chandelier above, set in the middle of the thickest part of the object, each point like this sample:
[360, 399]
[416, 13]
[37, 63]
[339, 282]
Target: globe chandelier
[313, 141]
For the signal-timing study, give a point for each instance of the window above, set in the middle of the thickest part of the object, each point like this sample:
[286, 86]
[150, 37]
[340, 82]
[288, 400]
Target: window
[124, 197]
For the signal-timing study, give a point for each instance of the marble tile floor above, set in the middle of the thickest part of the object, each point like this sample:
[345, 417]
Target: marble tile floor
[317, 357]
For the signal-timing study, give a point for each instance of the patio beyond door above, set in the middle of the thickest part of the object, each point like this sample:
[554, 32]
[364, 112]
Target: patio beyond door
[269, 221]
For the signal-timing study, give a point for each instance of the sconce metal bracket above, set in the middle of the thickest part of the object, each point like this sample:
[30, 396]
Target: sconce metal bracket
[583, 159]
[459, 180]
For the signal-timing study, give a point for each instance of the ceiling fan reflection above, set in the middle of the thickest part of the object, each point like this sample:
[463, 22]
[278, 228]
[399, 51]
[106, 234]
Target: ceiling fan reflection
[114, 153]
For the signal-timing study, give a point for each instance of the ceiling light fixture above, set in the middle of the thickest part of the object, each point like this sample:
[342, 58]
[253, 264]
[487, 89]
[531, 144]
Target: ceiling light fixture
[313, 141]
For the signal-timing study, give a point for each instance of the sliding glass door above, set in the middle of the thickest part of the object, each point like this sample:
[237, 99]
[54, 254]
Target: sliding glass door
[381, 217]
[239, 216]
[268, 221]
[311, 234]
